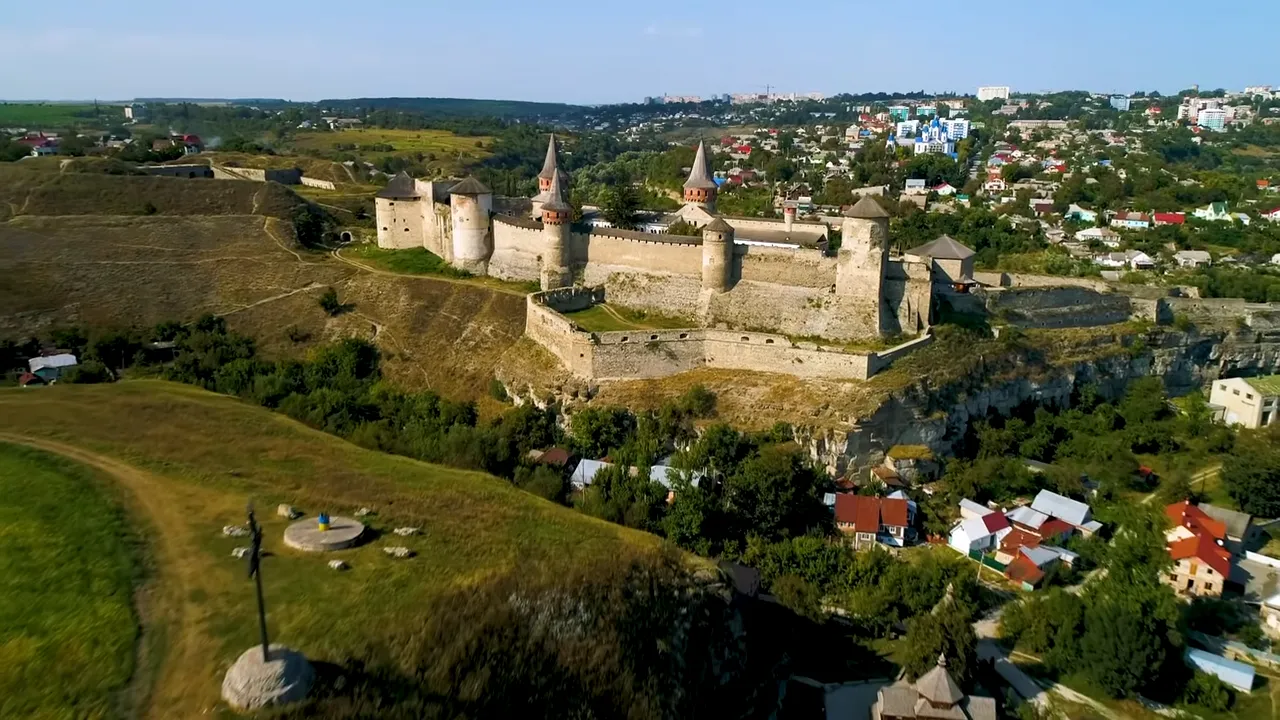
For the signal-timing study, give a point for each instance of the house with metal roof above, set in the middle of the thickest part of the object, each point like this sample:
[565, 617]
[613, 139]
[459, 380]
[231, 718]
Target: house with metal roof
[50, 368]
[1236, 674]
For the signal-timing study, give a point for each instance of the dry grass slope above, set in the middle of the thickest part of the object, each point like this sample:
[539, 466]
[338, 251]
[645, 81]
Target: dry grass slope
[64, 263]
[189, 461]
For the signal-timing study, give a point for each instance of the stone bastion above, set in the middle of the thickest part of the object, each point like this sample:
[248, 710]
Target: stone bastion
[639, 354]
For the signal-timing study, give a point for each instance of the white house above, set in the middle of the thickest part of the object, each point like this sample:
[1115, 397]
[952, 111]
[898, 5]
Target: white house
[1106, 236]
[1075, 212]
[1273, 215]
[1132, 259]
[979, 528]
[1192, 258]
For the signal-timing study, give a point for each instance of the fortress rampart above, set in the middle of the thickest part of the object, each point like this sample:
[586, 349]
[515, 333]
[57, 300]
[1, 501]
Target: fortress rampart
[626, 354]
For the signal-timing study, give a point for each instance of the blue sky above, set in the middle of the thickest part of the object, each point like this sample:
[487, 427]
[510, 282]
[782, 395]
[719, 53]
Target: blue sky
[615, 51]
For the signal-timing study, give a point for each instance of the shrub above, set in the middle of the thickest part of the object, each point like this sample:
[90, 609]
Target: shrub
[330, 304]
[1208, 692]
[88, 373]
[497, 390]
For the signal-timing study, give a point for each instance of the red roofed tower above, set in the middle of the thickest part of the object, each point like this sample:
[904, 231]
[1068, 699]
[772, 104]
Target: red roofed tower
[700, 188]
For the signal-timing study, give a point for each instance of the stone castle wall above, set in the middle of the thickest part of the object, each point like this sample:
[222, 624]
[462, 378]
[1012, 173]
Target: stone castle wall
[1062, 307]
[642, 354]
[318, 183]
[517, 248]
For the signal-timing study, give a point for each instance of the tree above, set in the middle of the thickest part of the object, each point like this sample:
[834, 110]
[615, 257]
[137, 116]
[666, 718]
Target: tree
[1252, 473]
[1208, 692]
[682, 227]
[1121, 646]
[945, 632]
[620, 205]
[774, 494]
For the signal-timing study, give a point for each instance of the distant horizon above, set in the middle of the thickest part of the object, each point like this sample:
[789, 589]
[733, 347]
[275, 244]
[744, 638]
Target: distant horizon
[583, 53]
[1013, 92]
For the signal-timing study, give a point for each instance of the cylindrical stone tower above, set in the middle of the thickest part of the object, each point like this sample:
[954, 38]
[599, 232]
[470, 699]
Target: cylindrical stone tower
[470, 205]
[556, 214]
[717, 256]
[789, 215]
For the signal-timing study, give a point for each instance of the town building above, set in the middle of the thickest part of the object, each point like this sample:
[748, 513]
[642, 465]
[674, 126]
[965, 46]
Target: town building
[51, 368]
[1193, 258]
[1212, 119]
[935, 695]
[934, 138]
[1130, 221]
[1248, 402]
[957, 128]
[871, 520]
[993, 92]
[1201, 563]
[1169, 218]
[1237, 674]
[1120, 103]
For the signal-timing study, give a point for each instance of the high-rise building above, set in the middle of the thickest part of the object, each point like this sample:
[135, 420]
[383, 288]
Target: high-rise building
[1120, 102]
[1212, 119]
[992, 92]
[899, 113]
[957, 128]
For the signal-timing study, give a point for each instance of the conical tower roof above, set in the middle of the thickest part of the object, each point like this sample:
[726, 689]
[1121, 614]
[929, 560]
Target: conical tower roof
[552, 163]
[700, 175]
[400, 187]
[718, 225]
[469, 186]
[555, 201]
[866, 209]
[937, 685]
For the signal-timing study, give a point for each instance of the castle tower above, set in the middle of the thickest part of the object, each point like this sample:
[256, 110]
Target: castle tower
[398, 210]
[864, 249]
[700, 188]
[717, 256]
[470, 205]
[550, 169]
[555, 231]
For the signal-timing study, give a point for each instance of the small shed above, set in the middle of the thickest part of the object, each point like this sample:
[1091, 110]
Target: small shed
[51, 367]
[1236, 674]
[586, 472]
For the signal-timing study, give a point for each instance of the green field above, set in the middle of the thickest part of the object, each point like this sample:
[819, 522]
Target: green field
[369, 142]
[190, 460]
[69, 560]
[42, 116]
[606, 318]
[420, 261]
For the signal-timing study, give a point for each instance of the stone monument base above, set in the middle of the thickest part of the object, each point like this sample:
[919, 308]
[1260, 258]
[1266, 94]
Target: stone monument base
[251, 684]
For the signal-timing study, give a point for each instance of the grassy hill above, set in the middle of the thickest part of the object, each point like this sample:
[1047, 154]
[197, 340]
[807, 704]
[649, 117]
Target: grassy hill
[29, 191]
[77, 251]
[189, 460]
[458, 107]
[67, 623]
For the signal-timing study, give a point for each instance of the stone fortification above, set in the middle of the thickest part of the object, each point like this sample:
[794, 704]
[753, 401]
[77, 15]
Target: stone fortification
[626, 354]
[1061, 307]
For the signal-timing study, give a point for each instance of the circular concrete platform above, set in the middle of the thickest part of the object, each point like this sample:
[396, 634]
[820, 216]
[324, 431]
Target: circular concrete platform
[343, 533]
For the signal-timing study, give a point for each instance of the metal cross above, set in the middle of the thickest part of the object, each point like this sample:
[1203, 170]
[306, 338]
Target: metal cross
[255, 572]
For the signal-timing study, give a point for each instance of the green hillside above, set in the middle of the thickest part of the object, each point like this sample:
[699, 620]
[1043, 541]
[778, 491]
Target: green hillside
[189, 460]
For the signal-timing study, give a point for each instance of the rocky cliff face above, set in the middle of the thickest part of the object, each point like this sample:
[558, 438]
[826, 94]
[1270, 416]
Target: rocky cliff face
[938, 416]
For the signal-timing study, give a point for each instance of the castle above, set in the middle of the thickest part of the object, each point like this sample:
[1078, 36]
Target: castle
[754, 274]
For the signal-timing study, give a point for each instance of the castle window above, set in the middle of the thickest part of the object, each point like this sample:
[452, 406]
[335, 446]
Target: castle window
[384, 227]
[624, 338]
[746, 339]
[406, 229]
[768, 341]
[684, 336]
[653, 337]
